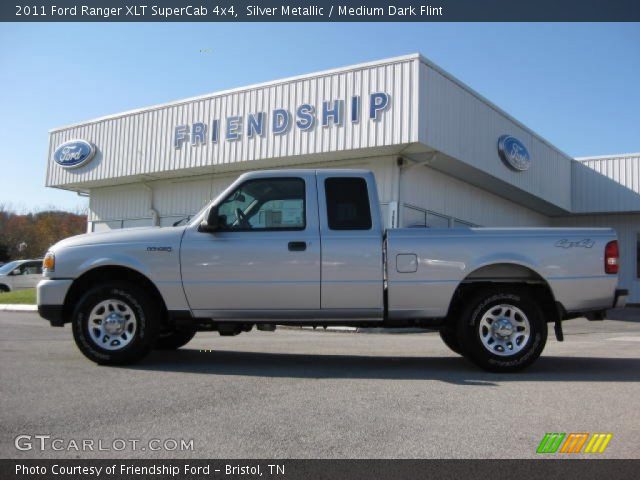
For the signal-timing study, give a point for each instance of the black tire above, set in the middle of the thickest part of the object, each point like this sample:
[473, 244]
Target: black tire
[473, 327]
[125, 295]
[450, 339]
[174, 340]
[4, 289]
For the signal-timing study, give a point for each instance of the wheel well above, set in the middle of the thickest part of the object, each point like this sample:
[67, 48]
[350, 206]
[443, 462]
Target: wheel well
[504, 272]
[105, 274]
[509, 276]
[4, 288]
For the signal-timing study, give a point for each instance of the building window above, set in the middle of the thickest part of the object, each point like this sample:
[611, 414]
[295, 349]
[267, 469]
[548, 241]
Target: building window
[435, 220]
[457, 223]
[419, 217]
[414, 216]
[347, 203]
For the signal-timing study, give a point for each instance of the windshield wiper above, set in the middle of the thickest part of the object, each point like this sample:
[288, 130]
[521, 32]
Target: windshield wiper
[183, 219]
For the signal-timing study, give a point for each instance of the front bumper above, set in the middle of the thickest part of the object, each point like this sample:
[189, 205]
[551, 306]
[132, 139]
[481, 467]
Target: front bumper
[53, 313]
[51, 294]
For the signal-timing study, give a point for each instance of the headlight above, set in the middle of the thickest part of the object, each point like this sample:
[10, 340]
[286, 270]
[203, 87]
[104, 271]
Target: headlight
[49, 262]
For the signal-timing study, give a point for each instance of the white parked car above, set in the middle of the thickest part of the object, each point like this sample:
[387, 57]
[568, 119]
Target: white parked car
[20, 274]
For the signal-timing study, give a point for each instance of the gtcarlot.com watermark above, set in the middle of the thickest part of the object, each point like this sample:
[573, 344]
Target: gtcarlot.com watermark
[42, 443]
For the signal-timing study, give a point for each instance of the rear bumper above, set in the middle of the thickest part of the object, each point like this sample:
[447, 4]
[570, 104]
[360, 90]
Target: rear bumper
[619, 301]
[620, 298]
[51, 295]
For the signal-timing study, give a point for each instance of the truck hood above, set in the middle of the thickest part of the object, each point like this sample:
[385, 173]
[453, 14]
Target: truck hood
[125, 235]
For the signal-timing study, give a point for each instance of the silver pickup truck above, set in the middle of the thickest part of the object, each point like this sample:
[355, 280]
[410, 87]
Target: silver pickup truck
[307, 247]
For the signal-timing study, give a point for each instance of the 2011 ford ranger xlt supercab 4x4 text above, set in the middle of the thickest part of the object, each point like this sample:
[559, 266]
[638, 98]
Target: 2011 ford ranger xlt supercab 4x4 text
[307, 247]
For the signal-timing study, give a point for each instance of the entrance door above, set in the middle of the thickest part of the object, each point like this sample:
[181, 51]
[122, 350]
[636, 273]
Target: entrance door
[265, 257]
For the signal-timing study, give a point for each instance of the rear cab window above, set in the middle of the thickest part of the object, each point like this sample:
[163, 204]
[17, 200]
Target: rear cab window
[347, 203]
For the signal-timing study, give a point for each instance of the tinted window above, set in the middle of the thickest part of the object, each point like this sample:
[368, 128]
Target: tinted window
[347, 204]
[265, 204]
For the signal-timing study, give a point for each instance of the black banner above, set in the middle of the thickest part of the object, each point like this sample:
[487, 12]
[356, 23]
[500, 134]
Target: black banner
[320, 469]
[319, 11]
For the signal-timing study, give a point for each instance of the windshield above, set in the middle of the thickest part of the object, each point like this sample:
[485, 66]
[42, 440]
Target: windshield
[8, 267]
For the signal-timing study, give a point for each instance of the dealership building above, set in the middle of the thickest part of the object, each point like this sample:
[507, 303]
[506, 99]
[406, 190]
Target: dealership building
[443, 155]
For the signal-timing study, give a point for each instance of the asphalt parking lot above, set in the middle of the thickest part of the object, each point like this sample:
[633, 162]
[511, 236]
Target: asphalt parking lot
[305, 394]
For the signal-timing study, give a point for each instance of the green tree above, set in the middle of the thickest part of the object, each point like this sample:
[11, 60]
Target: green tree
[30, 235]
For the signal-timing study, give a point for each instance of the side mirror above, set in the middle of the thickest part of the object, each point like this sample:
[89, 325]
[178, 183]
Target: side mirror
[211, 224]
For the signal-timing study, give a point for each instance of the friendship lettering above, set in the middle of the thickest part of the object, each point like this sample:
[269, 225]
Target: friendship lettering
[282, 120]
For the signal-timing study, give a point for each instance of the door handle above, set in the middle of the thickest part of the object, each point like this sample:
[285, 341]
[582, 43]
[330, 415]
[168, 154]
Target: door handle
[297, 246]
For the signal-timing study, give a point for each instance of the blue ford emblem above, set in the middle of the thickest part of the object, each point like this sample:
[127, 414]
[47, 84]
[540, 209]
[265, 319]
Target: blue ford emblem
[513, 153]
[74, 153]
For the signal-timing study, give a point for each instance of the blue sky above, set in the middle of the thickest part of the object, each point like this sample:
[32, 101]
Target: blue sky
[575, 84]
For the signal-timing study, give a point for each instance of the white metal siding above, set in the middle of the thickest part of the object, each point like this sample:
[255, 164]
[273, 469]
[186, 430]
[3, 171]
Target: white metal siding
[119, 202]
[624, 169]
[185, 196]
[432, 190]
[628, 230]
[421, 186]
[594, 192]
[464, 126]
[188, 196]
[429, 110]
[170, 198]
[141, 143]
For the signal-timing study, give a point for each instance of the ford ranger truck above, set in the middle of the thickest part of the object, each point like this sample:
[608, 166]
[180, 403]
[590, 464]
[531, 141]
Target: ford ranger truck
[307, 247]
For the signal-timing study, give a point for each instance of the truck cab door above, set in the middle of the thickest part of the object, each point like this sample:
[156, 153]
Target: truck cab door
[351, 231]
[263, 261]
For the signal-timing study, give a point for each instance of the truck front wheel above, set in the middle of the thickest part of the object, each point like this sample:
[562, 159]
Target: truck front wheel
[502, 330]
[450, 339]
[115, 323]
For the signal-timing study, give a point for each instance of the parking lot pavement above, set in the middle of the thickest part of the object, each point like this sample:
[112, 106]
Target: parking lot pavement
[304, 394]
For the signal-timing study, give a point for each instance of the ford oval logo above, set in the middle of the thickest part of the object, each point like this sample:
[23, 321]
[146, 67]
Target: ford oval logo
[74, 153]
[513, 153]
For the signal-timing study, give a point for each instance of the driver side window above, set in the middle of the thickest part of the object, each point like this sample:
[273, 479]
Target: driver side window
[265, 204]
[33, 268]
[21, 270]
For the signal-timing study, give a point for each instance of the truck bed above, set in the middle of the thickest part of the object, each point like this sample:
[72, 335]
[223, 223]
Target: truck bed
[430, 264]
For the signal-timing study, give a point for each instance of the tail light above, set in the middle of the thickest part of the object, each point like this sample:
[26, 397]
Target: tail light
[611, 257]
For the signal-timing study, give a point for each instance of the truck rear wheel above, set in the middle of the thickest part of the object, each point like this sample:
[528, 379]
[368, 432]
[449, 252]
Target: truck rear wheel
[450, 339]
[174, 339]
[502, 330]
[115, 323]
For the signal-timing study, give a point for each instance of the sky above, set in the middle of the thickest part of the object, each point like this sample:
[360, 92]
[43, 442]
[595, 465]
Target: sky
[577, 85]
